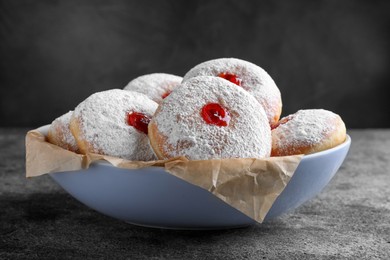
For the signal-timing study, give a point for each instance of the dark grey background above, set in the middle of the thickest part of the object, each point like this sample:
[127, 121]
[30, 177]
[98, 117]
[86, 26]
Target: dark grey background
[322, 54]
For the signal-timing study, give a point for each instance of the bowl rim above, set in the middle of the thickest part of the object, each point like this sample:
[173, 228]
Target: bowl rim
[344, 144]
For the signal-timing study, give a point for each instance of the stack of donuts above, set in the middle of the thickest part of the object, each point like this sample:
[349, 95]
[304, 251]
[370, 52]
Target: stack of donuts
[222, 108]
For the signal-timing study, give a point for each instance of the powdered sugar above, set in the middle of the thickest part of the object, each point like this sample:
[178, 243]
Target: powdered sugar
[102, 118]
[60, 132]
[179, 121]
[154, 85]
[305, 128]
[254, 79]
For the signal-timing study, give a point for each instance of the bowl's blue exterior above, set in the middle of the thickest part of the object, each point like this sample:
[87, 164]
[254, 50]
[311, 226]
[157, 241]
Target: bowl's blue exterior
[313, 173]
[153, 197]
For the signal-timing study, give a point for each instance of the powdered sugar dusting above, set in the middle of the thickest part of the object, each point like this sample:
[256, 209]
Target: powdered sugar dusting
[254, 79]
[304, 128]
[179, 120]
[61, 131]
[103, 116]
[154, 85]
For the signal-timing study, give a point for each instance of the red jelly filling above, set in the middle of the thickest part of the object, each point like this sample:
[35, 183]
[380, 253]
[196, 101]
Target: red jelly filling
[139, 121]
[280, 122]
[166, 94]
[231, 77]
[215, 114]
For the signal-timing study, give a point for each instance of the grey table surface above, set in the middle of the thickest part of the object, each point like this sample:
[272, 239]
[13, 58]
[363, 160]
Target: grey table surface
[350, 219]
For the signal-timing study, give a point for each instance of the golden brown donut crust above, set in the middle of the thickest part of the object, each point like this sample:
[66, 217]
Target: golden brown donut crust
[329, 139]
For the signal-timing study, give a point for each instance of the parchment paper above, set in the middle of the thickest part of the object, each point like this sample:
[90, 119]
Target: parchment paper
[249, 185]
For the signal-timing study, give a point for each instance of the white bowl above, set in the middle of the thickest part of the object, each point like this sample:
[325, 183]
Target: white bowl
[155, 198]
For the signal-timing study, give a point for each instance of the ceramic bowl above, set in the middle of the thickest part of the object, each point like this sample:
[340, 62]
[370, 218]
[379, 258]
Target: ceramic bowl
[152, 197]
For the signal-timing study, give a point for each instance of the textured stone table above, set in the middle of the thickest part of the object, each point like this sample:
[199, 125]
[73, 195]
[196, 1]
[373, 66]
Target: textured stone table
[349, 219]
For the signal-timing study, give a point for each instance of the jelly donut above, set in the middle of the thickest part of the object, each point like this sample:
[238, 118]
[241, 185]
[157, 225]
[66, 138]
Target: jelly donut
[60, 135]
[248, 76]
[208, 118]
[307, 131]
[156, 86]
[114, 122]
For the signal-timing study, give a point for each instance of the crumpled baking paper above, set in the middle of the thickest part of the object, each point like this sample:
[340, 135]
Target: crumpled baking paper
[249, 185]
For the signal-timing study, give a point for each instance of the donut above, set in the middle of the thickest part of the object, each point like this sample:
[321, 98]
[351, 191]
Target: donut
[307, 131]
[156, 86]
[59, 133]
[248, 76]
[114, 122]
[210, 118]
